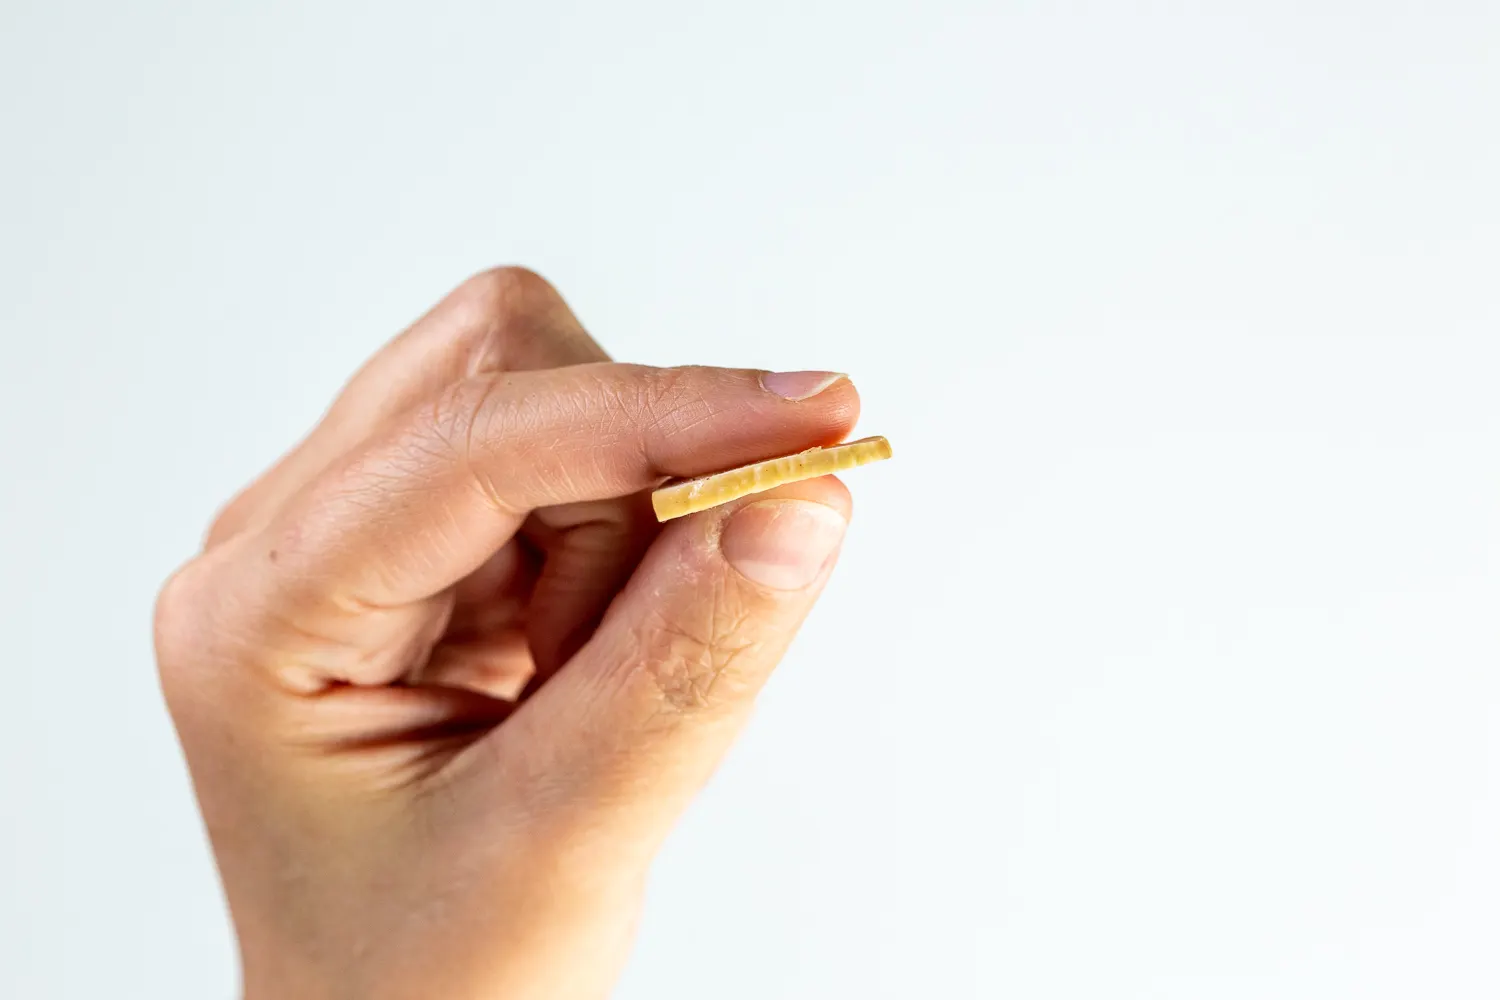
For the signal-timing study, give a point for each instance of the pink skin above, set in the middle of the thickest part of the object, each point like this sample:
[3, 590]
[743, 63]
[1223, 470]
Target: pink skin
[443, 683]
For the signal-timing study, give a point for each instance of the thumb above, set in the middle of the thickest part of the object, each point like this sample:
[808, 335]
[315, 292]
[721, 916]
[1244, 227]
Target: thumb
[636, 722]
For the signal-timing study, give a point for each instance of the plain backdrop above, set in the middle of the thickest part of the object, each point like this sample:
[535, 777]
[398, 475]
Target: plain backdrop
[1162, 661]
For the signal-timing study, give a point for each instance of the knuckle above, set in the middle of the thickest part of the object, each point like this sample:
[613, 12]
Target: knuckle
[461, 422]
[665, 388]
[673, 399]
[230, 520]
[177, 622]
[509, 290]
[452, 424]
[520, 317]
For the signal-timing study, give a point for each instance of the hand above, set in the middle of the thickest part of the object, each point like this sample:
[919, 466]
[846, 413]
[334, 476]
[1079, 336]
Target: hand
[442, 682]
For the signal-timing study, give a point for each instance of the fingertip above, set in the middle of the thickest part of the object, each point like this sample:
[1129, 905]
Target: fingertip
[695, 420]
[835, 409]
[782, 543]
[829, 491]
[788, 537]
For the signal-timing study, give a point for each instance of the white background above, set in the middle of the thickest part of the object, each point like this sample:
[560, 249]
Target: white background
[1162, 662]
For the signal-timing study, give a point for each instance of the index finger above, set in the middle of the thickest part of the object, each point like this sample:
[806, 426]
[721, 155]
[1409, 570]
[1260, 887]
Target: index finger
[425, 504]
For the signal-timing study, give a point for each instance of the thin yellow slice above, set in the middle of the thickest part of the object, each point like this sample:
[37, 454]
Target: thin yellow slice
[691, 495]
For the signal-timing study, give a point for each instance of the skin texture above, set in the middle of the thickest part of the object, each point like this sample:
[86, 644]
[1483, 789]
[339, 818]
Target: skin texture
[442, 682]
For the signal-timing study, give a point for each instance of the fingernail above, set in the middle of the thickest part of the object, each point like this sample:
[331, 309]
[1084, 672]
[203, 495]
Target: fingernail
[782, 544]
[799, 385]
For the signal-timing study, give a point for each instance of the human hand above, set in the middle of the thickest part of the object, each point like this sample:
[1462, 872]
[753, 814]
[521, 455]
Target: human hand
[443, 683]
